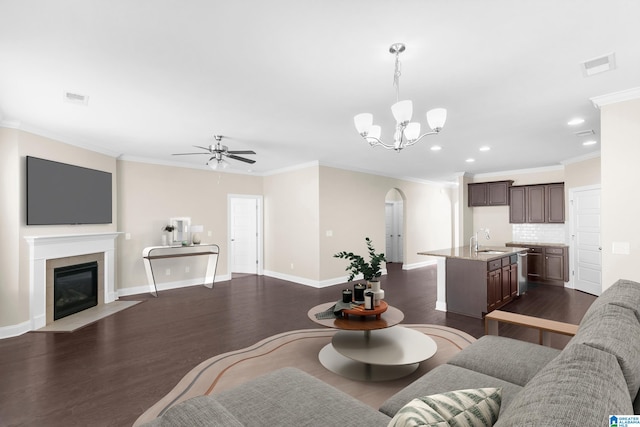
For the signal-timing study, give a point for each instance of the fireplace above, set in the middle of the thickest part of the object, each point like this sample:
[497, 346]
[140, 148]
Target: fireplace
[75, 288]
[49, 252]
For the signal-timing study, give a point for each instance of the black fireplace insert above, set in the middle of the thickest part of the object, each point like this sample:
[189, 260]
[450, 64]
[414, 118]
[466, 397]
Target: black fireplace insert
[75, 288]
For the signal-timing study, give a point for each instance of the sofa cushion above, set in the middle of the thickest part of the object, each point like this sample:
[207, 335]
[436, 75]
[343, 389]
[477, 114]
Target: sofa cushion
[290, 397]
[616, 330]
[505, 358]
[445, 378]
[471, 408]
[624, 293]
[201, 411]
[580, 387]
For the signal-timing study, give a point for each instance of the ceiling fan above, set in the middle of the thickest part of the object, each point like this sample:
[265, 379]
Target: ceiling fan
[218, 152]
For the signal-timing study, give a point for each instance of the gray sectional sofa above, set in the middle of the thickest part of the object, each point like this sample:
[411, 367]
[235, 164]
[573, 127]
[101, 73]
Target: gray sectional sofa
[596, 375]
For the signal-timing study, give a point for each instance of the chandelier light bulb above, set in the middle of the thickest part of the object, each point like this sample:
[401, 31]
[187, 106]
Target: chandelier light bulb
[436, 118]
[402, 111]
[363, 123]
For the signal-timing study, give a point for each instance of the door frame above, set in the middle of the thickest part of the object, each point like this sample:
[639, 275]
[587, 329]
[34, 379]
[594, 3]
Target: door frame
[572, 231]
[259, 228]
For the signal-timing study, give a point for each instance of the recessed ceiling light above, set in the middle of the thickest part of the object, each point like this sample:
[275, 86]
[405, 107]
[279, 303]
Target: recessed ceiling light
[485, 148]
[575, 122]
[436, 148]
[591, 142]
[470, 160]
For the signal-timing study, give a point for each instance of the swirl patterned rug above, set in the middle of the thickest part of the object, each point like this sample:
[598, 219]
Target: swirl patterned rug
[299, 349]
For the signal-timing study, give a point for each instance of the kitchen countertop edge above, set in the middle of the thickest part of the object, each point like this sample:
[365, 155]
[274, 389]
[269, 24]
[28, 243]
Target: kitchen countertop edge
[463, 252]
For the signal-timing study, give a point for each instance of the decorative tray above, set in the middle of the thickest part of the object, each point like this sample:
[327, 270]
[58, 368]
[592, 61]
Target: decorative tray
[359, 310]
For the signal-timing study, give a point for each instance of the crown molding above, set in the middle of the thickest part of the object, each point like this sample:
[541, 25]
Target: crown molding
[615, 97]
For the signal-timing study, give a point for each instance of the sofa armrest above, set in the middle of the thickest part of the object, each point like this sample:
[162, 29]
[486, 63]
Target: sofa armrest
[544, 326]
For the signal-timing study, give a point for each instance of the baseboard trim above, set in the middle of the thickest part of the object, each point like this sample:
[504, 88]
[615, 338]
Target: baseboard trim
[419, 264]
[15, 330]
[144, 289]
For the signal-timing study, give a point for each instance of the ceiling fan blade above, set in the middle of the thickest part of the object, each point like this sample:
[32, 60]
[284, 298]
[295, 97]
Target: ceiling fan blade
[204, 148]
[186, 154]
[241, 152]
[242, 159]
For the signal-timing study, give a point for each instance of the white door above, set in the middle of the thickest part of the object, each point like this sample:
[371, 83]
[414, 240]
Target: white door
[393, 231]
[587, 247]
[244, 235]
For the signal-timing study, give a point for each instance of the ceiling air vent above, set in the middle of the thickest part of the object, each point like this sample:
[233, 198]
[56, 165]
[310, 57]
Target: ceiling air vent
[585, 133]
[76, 98]
[599, 65]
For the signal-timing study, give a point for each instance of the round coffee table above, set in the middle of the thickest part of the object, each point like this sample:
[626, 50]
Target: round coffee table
[370, 349]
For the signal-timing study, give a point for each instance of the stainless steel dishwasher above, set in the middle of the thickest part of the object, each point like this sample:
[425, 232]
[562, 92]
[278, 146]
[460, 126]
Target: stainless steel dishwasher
[522, 272]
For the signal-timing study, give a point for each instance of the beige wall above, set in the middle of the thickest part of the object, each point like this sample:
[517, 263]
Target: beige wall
[13, 296]
[291, 224]
[16, 145]
[149, 195]
[620, 125]
[352, 206]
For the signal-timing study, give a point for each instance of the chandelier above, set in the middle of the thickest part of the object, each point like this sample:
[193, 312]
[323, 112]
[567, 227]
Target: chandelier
[407, 132]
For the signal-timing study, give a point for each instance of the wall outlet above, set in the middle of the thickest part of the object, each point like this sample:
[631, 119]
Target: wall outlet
[127, 236]
[209, 233]
[187, 269]
[329, 233]
[167, 272]
[292, 266]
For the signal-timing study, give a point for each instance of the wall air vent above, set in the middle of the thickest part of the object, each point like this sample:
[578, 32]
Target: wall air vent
[583, 133]
[76, 98]
[598, 65]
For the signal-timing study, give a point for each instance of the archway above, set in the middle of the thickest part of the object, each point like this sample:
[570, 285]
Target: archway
[394, 225]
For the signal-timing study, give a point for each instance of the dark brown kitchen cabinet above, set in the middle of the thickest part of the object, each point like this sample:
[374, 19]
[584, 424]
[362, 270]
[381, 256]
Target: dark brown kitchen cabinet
[494, 193]
[537, 204]
[502, 282]
[476, 287]
[548, 264]
[555, 203]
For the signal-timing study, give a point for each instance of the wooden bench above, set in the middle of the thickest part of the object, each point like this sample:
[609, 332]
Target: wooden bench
[544, 326]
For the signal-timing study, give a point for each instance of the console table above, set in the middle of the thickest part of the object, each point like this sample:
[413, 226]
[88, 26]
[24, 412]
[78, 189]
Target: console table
[164, 252]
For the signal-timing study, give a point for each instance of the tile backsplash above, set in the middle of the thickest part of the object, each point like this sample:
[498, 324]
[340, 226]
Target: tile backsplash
[545, 233]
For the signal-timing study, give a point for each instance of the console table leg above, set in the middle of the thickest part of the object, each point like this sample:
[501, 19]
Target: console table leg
[150, 279]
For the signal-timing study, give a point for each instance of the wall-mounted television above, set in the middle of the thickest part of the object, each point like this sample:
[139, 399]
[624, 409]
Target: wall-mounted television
[59, 193]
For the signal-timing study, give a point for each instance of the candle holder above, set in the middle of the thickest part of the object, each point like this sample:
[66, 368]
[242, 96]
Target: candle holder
[347, 296]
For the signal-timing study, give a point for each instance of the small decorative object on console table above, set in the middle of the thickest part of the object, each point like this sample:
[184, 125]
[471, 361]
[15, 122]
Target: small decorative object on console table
[167, 239]
[195, 234]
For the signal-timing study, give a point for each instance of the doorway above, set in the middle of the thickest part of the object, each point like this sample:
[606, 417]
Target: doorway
[394, 226]
[585, 239]
[245, 234]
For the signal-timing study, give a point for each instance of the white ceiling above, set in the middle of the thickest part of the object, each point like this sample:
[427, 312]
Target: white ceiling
[286, 77]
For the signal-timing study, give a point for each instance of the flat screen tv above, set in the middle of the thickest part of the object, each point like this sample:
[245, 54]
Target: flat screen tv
[58, 193]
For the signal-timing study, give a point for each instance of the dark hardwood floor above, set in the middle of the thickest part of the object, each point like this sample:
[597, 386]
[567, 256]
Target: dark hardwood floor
[108, 373]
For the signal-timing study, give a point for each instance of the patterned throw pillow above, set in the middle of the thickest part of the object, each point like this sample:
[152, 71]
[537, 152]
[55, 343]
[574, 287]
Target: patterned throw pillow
[462, 408]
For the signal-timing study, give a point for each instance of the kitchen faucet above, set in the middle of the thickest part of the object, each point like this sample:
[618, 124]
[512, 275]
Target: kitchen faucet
[474, 238]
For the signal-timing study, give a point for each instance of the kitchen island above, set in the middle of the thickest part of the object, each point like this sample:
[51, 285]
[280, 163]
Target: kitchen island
[474, 283]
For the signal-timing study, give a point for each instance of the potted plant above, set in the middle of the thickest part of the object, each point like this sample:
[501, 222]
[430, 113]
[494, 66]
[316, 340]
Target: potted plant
[167, 238]
[371, 270]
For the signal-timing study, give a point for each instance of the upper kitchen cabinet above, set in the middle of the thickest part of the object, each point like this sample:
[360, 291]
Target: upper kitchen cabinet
[538, 204]
[489, 193]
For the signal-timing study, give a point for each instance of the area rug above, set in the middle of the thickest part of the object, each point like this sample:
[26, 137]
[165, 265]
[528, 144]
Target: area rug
[300, 349]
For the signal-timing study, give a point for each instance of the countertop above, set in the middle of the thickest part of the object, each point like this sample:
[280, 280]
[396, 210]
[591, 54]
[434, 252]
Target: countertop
[463, 252]
[528, 244]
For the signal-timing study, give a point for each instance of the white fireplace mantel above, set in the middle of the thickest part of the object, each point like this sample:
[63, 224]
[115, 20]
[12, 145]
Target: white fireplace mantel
[42, 248]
